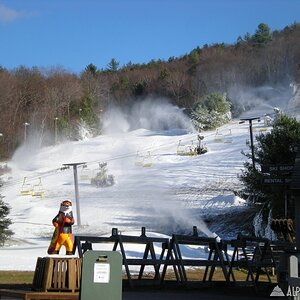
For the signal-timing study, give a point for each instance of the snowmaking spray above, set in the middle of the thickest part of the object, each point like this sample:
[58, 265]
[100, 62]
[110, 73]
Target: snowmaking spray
[150, 114]
[157, 116]
[259, 100]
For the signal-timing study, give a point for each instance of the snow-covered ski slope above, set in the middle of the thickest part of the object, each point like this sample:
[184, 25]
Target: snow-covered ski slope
[154, 187]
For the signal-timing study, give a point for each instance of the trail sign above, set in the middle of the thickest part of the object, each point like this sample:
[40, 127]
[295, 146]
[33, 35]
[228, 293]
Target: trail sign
[277, 168]
[276, 181]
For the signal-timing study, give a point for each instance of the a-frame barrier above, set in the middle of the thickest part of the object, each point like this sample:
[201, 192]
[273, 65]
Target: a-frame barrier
[118, 241]
[217, 257]
[255, 255]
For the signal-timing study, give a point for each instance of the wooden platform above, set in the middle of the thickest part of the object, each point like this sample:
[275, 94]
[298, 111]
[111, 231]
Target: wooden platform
[30, 295]
[57, 274]
[54, 278]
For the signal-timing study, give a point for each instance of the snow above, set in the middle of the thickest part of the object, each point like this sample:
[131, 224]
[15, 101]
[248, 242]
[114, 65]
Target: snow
[171, 195]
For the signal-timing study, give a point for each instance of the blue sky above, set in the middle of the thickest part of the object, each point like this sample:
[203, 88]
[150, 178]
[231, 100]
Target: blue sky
[74, 33]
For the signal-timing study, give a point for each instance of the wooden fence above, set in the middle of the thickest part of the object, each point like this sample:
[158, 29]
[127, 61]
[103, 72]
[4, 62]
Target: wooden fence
[255, 255]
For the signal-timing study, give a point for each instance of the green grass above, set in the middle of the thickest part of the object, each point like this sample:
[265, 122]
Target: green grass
[198, 274]
[16, 277]
[26, 277]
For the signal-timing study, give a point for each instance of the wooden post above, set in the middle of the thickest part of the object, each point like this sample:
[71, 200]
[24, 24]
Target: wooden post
[297, 222]
[295, 189]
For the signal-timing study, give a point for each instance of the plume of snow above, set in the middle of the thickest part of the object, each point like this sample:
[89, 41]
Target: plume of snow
[150, 114]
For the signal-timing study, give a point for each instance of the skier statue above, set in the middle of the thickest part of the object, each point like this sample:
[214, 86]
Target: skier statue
[62, 235]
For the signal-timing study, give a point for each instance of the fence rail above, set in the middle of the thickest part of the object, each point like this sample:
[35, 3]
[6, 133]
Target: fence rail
[255, 255]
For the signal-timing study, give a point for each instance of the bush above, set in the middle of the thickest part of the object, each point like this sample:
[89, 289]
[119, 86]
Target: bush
[211, 111]
[4, 222]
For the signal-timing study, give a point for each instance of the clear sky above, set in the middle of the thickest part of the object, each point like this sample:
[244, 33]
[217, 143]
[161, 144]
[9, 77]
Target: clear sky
[75, 33]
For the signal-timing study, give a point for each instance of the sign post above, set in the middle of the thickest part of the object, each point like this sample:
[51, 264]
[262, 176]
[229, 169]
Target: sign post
[280, 175]
[295, 188]
[282, 169]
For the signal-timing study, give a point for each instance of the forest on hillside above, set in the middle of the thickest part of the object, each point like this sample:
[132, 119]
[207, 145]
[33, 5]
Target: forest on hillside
[50, 103]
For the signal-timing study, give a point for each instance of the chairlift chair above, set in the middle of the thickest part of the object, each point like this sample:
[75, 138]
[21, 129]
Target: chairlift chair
[85, 173]
[228, 137]
[64, 168]
[181, 149]
[138, 159]
[147, 161]
[219, 137]
[38, 190]
[188, 150]
[26, 188]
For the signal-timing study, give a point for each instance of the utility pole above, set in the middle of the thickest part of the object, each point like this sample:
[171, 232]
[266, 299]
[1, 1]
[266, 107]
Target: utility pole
[74, 165]
[1, 136]
[25, 132]
[55, 130]
[251, 136]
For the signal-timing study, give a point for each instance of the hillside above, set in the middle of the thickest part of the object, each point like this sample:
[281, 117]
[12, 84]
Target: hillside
[52, 102]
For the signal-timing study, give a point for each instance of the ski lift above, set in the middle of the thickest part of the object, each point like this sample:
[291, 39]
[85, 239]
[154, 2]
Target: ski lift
[180, 148]
[263, 129]
[38, 190]
[219, 137]
[147, 161]
[186, 149]
[144, 161]
[64, 168]
[85, 173]
[138, 159]
[228, 137]
[26, 188]
[268, 121]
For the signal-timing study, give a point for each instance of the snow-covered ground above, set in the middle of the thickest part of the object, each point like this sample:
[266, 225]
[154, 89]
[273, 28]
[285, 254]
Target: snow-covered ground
[170, 194]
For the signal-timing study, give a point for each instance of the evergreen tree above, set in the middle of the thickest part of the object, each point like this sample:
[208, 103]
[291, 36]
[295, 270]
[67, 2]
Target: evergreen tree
[113, 65]
[91, 68]
[247, 37]
[276, 147]
[262, 35]
[194, 56]
[4, 221]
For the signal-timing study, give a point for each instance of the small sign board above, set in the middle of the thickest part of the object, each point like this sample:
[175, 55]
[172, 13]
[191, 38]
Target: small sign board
[277, 168]
[276, 181]
[101, 272]
[101, 276]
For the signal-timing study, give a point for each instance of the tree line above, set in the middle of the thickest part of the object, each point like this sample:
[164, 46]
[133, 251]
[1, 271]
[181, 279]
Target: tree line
[55, 100]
